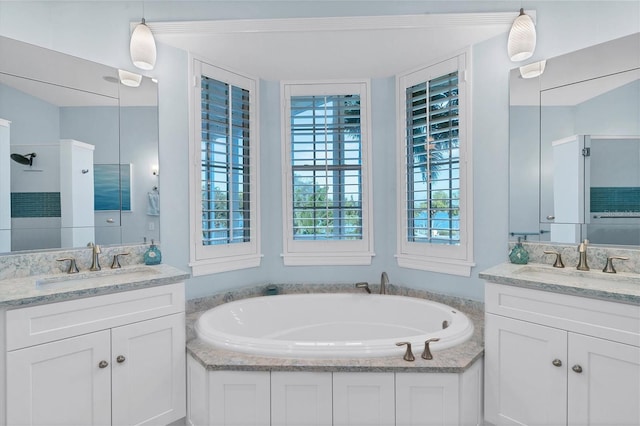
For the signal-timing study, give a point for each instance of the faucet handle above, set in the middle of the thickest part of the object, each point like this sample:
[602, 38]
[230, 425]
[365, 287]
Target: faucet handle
[408, 355]
[608, 268]
[558, 263]
[73, 267]
[426, 354]
[364, 285]
[116, 260]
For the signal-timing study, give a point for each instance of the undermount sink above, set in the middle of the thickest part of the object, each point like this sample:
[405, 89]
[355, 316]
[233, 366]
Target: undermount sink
[562, 275]
[125, 273]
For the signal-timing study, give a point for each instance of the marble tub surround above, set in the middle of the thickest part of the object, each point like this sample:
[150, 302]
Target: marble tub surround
[596, 255]
[622, 287]
[453, 360]
[43, 262]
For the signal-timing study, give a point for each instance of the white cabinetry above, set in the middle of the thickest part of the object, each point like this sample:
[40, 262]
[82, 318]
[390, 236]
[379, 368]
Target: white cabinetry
[301, 398]
[262, 398]
[363, 399]
[553, 359]
[116, 371]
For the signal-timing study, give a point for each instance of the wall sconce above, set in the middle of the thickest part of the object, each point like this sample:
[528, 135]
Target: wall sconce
[533, 70]
[143, 47]
[522, 38]
[130, 79]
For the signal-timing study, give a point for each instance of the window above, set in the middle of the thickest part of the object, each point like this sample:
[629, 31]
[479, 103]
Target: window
[434, 232]
[326, 151]
[224, 185]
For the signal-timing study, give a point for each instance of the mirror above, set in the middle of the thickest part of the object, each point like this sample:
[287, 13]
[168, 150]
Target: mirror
[78, 152]
[574, 148]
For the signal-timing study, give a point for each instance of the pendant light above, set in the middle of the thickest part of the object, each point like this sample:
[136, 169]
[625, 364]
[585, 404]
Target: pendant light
[522, 38]
[143, 47]
[533, 70]
[129, 78]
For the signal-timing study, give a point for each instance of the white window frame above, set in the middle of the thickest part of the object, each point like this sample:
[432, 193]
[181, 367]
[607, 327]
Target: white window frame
[449, 259]
[315, 252]
[224, 257]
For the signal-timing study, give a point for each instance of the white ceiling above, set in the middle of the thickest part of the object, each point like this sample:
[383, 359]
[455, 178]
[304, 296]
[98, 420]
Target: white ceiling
[331, 48]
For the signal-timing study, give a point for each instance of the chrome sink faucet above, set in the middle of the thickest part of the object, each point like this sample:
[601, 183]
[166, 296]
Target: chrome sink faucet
[95, 261]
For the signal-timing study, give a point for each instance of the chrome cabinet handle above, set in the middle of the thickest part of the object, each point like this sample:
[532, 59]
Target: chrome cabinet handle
[103, 364]
[556, 363]
[120, 359]
[577, 368]
[551, 217]
[109, 220]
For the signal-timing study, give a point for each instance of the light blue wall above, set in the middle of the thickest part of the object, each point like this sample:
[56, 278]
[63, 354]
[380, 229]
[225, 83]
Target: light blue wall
[99, 31]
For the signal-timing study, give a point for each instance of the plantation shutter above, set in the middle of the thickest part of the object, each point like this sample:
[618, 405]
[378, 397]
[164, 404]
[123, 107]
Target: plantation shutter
[326, 161]
[433, 161]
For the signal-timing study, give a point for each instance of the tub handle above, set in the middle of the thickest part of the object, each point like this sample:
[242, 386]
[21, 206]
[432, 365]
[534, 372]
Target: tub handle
[408, 355]
[426, 354]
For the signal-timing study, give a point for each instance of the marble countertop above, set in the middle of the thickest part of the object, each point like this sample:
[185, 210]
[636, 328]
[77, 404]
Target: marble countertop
[38, 289]
[452, 360]
[595, 284]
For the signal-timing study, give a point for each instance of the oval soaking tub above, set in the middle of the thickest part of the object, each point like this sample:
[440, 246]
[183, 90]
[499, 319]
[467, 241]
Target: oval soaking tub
[332, 325]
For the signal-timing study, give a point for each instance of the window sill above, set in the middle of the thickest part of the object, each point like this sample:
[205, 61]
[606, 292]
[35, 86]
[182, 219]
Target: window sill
[224, 264]
[444, 266]
[325, 259]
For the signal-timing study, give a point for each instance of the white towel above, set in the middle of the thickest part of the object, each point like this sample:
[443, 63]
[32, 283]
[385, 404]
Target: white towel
[153, 205]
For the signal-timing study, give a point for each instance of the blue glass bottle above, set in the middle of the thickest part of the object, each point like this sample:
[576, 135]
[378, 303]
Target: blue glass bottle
[519, 254]
[152, 256]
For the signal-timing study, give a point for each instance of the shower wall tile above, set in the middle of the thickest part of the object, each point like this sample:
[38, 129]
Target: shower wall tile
[35, 204]
[615, 199]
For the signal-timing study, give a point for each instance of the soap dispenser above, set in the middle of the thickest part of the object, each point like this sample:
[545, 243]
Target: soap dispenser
[152, 256]
[519, 254]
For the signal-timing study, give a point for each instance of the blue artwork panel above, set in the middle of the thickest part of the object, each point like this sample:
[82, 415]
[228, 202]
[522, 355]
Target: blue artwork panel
[112, 183]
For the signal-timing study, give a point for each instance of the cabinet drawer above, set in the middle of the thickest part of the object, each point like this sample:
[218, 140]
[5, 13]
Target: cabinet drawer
[608, 320]
[45, 323]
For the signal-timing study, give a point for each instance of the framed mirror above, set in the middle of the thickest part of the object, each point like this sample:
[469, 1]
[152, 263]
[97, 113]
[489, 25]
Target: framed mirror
[78, 152]
[574, 147]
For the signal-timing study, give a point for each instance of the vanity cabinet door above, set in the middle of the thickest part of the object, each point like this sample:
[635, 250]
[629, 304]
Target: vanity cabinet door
[604, 382]
[525, 373]
[66, 382]
[363, 399]
[148, 362]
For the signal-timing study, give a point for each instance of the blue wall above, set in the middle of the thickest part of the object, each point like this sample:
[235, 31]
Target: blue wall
[100, 31]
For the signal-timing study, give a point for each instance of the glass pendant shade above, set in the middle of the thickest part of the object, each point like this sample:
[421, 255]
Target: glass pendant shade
[143, 47]
[129, 78]
[522, 38]
[533, 70]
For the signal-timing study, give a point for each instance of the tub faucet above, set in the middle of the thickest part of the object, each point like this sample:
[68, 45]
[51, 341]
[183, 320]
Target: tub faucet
[95, 262]
[384, 280]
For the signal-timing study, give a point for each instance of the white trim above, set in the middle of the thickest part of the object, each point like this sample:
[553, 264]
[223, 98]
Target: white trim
[348, 252]
[455, 260]
[337, 23]
[227, 257]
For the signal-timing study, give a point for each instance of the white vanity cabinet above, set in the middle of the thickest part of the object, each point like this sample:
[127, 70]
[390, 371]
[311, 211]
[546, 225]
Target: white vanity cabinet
[115, 359]
[555, 359]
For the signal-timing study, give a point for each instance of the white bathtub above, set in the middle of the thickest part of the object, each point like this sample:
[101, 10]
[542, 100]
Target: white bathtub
[332, 325]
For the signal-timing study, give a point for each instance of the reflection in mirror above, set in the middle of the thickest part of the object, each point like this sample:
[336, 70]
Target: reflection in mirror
[94, 142]
[573, 147]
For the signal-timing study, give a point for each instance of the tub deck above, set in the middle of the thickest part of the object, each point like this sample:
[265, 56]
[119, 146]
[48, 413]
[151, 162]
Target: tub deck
[452, 360]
